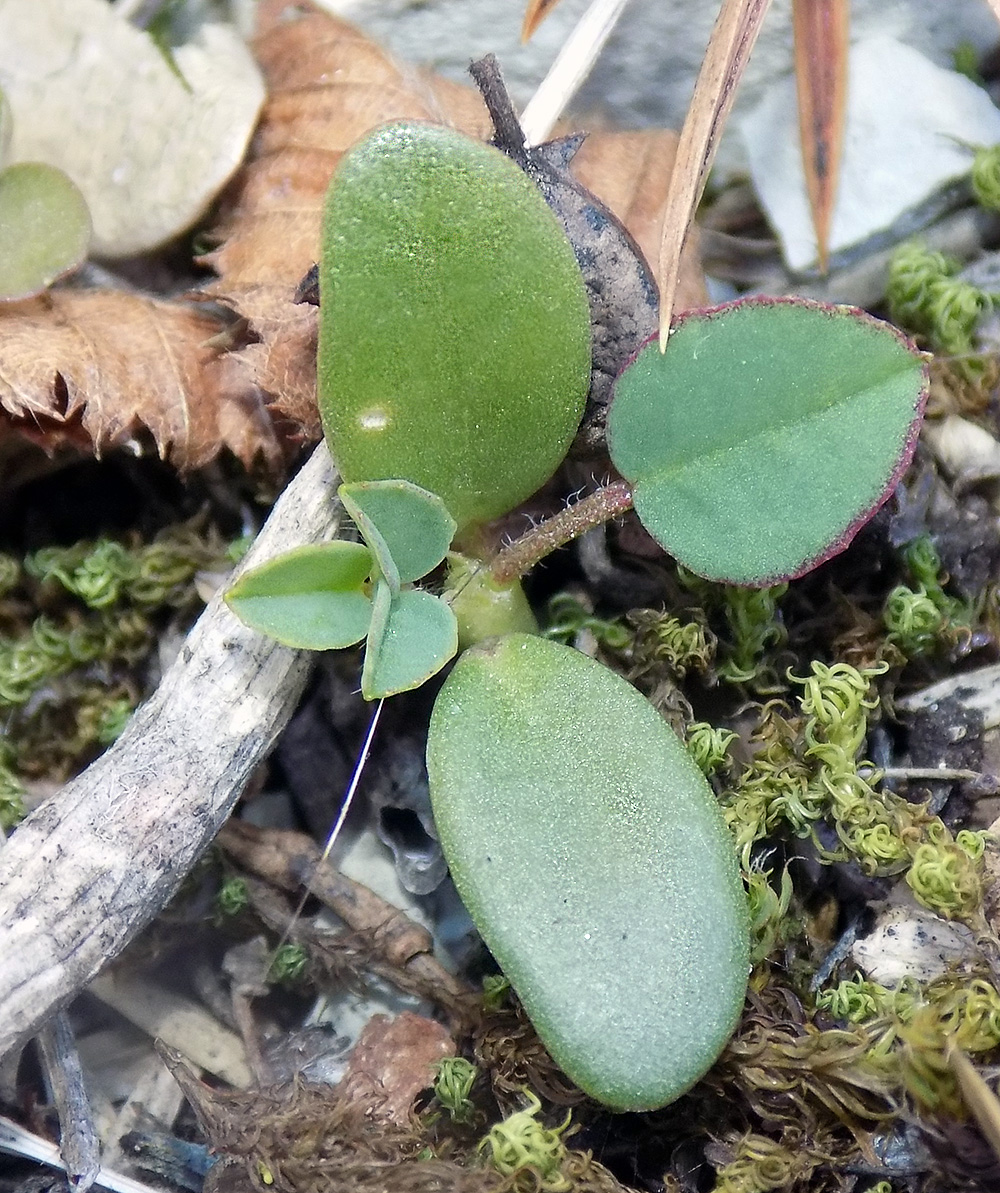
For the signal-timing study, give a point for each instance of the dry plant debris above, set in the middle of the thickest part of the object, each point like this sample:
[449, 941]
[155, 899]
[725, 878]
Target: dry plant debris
[630, 172]
[397, 948]
[70, 369]
[392, 1062]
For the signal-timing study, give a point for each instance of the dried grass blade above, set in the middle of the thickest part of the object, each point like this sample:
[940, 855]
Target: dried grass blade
[569, 71]
[729, 47]
[981, 1101]
[534, 13]
[821, 29]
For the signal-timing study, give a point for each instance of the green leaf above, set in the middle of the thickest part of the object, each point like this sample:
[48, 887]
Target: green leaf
[381, 603]
[385, 565]
[412, 525]
[312, 598]
[413, 634]
[593, 858]
[44, 228]
[454, 346]
[766, 435]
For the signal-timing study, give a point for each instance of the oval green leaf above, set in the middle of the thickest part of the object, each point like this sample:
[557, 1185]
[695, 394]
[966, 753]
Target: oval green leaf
[412, 525]
[766, 435]
[44, 228]
[593, 858]
[454, 346]
[413, 634]
[312, 598]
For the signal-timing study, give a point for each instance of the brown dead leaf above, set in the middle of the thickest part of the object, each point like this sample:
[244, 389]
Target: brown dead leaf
[630, 172]
[98, 369]
[392, 1062]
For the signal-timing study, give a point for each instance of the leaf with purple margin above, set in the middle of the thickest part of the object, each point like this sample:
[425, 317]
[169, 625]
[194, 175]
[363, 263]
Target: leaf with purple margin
[767, 434]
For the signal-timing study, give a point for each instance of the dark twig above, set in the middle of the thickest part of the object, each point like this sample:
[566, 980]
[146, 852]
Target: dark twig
[78, 1143]
[489, 80]
[291, 860]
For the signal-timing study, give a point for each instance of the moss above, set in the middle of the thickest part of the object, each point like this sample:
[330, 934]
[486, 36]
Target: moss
[755, 629]
[80, 622]
[927, 298]
[708, 746]
[762, 1164]
[453, 1083]
[523, 1146]
[288, 964]
[665, 644]
[566, 618]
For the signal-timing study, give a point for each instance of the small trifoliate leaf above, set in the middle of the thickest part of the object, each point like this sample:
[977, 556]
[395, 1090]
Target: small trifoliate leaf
[766, 435]
[381, 602]
[44, 228]
[413, 635]
[312, 598]
[414, 526]
[385, 565]
[454, 343]
[593, 858]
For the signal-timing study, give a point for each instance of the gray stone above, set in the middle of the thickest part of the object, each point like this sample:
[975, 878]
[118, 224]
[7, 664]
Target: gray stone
[646, 73]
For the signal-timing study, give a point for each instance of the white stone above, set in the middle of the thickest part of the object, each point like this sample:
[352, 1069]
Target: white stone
[911, 126]
[908, 941]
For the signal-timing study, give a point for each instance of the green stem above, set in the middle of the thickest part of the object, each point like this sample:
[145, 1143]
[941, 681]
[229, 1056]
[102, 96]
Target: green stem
[520, 556]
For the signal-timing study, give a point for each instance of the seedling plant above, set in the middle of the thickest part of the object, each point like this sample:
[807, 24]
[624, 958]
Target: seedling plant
[455, 362]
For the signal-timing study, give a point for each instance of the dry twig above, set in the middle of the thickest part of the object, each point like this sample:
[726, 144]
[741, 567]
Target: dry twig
[91, 867]
[291, 860]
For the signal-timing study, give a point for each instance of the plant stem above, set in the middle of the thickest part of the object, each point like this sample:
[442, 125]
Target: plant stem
[487, 76]
[521, 555]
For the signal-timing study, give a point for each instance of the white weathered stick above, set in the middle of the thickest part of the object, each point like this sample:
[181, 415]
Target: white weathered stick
[17, 1141]
[91, 867]
[573, 64]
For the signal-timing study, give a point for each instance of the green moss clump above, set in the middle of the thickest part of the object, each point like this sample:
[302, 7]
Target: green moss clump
[926, 297]
[521, 1145]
